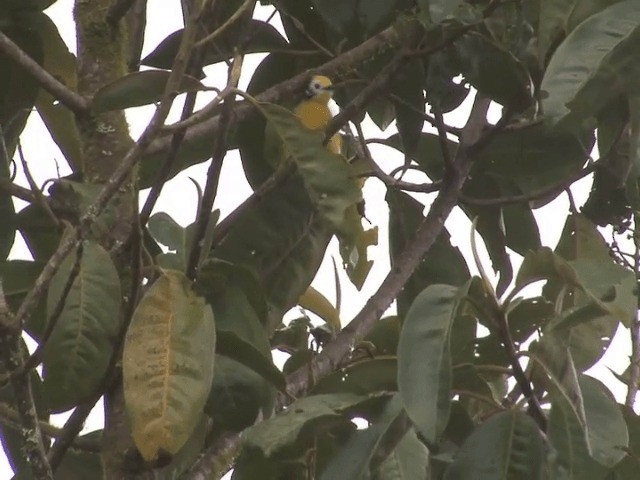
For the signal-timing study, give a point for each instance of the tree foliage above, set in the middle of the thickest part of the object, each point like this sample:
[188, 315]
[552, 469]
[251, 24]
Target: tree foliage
[175, 327]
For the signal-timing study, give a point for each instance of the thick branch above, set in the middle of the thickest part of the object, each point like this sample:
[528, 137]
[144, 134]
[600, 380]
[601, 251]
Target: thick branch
[68, 97]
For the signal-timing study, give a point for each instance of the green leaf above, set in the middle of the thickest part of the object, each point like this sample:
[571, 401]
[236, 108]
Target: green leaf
[572, 440]
[39, 231]
[593, 65]
[443, 263]
[237, 396]
[354, 244]
[137, 89]
[408, 84]
[286, 428]
[362, 377]
[168, 362]
[232, 346]
[508, 445]
[18, 277]
[354, 460]
[281, 222]
[355, 18]
[79, 465]
[552, 354]
[544, 264]
[409, 460]
[18, 88]
[606, 427]
[494, 71]
[253, 141]
[327, 176]
[580, 239]
[424, 361]
[77, 354]
[264, 38]
[384, 335]
[550, 24]
[534, 158]
[179, 240]
[167, 231]
[58, 119]
[627, 469]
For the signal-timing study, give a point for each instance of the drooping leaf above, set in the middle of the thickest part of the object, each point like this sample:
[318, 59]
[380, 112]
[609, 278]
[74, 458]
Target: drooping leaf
[408, 85]
[508, 445]
[77, 353]
[283, 241]
[168, 362]
[327, 177]
[424, 361]
[138, 88]
[59, 120]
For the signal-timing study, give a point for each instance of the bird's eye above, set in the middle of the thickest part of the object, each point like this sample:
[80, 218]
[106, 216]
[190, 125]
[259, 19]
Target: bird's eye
[316, 86]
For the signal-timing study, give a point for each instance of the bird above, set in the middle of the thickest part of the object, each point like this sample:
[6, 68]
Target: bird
[313, 111]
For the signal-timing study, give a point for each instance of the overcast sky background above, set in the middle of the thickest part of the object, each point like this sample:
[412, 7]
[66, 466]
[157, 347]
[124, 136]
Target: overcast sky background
[179, 195]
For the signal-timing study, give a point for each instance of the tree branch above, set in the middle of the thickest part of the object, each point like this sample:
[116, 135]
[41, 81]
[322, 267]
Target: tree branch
[331, 357]
[12, 354]
[634, 363]
[11, 418]
[213, 174]
[65, 95]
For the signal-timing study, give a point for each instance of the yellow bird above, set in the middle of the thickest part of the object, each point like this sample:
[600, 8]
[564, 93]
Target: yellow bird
[314, 111]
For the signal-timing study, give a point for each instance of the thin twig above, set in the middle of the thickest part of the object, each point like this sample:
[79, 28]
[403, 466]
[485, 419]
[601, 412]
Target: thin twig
[16, 190]
[37, 193]
[634, 364]
[230, 21]
[386, 178]
[171, 156]
[61, 92]
[442, 138]
[11, 418]
[213, 174]
[69, 432]
[535, 410]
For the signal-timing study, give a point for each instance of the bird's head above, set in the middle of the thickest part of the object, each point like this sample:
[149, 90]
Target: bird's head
[320, 88]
